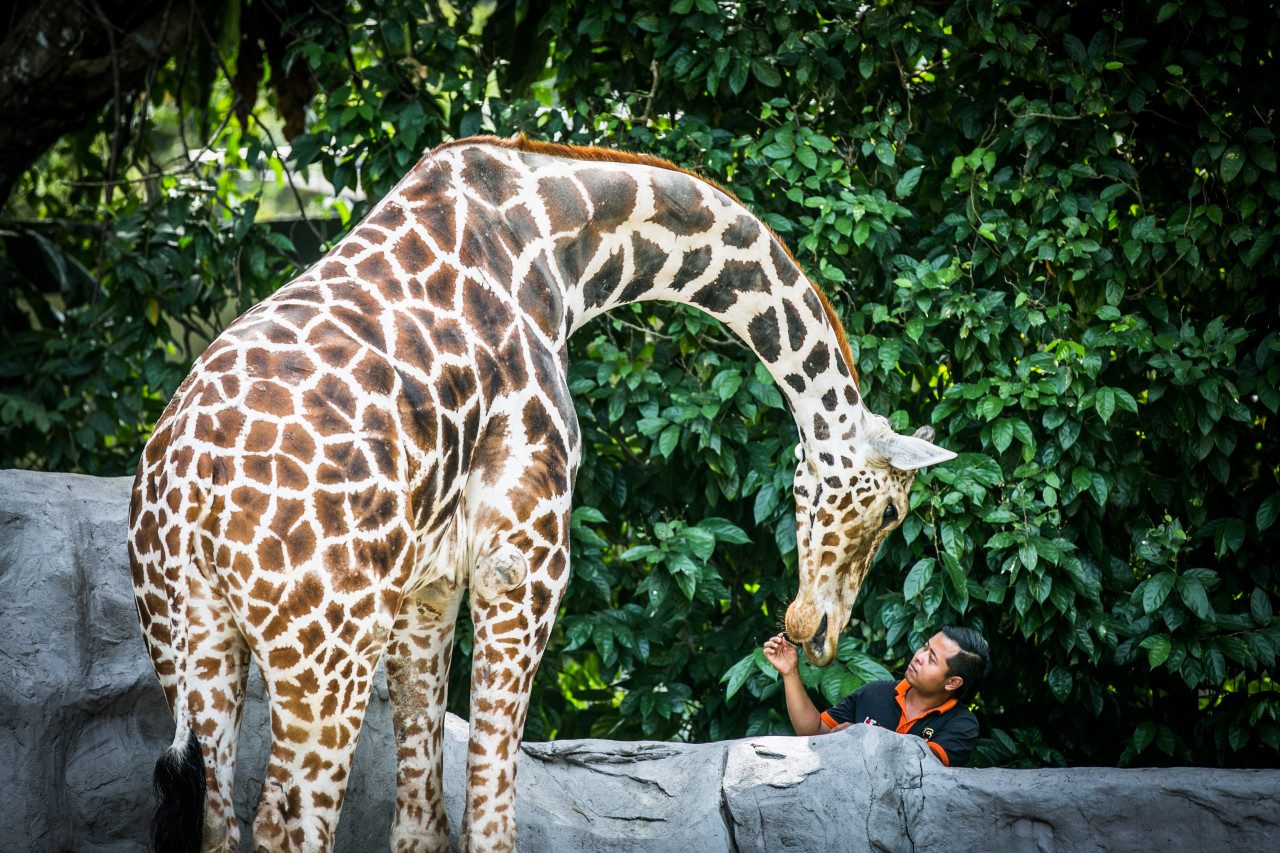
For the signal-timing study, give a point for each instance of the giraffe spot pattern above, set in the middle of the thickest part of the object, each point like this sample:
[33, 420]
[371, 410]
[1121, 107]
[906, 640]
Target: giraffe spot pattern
[344, 449]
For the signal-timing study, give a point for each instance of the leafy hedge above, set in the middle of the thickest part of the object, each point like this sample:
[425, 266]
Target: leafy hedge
[1051, 233]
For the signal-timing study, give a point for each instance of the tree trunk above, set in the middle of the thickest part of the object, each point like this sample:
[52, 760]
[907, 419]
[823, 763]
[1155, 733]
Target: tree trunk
[63, 59]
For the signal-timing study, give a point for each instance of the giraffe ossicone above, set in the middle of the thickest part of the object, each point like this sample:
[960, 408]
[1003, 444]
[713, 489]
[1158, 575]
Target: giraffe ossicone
[395, 425]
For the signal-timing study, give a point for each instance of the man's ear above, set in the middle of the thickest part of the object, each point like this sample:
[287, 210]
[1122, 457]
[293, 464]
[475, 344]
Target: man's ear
[953, 684]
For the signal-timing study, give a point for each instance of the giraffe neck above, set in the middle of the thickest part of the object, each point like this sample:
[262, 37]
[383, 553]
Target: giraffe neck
[571, 233]
[685, 241]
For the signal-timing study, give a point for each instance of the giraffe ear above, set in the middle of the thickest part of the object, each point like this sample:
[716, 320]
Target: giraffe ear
[909, 452]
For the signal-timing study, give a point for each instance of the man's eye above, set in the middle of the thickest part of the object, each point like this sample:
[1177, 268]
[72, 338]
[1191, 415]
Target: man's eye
[890, 515]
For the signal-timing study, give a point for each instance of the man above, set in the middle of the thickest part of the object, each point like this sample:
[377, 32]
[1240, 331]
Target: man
[930, 702]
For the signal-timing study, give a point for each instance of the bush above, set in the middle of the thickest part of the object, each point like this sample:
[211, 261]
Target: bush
[1050, 231]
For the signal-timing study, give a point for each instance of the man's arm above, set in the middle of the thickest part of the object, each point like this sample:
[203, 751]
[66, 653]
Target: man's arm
[804, 715]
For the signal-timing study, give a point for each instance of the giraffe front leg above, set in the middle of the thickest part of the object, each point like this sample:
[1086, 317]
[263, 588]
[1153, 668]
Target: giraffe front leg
[511, 631]
[418, 681]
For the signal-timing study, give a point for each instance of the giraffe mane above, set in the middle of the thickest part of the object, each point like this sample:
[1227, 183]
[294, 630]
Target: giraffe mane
[520, 142]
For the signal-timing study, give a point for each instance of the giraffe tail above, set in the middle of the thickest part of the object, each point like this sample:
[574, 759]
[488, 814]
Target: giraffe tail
[180, 782]
[178, 823]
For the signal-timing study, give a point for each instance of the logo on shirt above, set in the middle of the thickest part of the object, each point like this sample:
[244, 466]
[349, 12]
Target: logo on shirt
[927, 733]
[870, 722]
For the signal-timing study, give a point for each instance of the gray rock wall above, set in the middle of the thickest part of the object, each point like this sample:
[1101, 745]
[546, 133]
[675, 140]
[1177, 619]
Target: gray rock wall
[82, 721]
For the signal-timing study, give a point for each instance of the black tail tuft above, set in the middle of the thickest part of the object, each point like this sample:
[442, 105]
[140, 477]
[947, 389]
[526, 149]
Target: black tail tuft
[178, 825]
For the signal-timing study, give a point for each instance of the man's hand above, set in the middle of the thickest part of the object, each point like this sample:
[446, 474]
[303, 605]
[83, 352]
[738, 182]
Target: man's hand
[782, 654]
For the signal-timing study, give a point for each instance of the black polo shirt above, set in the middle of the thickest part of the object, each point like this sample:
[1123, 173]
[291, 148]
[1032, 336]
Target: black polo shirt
[950, 730]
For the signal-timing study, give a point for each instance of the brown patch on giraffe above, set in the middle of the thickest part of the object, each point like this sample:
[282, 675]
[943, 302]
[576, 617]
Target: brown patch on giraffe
[679, 207]
[818, 360]
[374, 375]
[261, 438]
[258, 468]
[442, 288]
[735, 277]
[540, 302]
[330, 406]
[332, 345]
[562, 200]
[343, 463]
[765, 335]
[269, 398]
[219, 358]
[742, 232]
[412, 253]
[511, 364]
[600, 287]
[486, 312]
[647, 260]
[455, 387]
[374, 269]
[448, 337]
[556, 565]
[783, 263]
[693, 264]
[491, 454]
[485, 246]
[363, 326]
[410, 345]
[331, 512]
[389, 216]
[487, 177]
[299, 444]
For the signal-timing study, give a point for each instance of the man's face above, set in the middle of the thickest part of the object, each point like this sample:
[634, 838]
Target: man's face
[927, 671]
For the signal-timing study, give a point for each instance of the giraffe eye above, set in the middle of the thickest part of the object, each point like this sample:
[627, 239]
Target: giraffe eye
[890, 515]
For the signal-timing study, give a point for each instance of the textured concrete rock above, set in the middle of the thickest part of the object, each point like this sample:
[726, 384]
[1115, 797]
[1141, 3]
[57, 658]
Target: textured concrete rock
[82, 721]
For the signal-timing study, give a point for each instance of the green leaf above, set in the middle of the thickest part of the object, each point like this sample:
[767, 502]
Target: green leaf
[766, 74]
[958, 582]
[1194, 596]
[1230, 535]
[1232, 162]
[1105, 403]
[918, 578]
[1158, 648]
[737, 675]
[866, 65]
[587, 513]
[1002, 434]
[1260, 607]
[908, 182]
[726, 383]
[724, 530]
[868, 669]
[1267, 512]
[884, 152]
[1144, 735]
[1060, 680]
[668, 440]
[1156, 590]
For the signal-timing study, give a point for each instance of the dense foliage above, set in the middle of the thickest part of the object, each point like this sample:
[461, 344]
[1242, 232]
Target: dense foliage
[1050, 230]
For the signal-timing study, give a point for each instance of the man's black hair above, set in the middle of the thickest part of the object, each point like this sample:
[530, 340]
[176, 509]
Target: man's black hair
[972, 662]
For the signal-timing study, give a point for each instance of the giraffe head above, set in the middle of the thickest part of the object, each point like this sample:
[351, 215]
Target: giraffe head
[848, 498]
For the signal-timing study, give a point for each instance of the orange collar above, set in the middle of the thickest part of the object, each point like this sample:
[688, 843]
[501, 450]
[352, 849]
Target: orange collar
[904, 724]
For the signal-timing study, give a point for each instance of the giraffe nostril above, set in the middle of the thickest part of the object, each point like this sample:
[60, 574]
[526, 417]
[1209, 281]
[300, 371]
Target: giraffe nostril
[820, 637]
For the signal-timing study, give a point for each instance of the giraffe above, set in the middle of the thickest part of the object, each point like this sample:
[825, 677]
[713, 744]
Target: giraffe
[394, 427]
